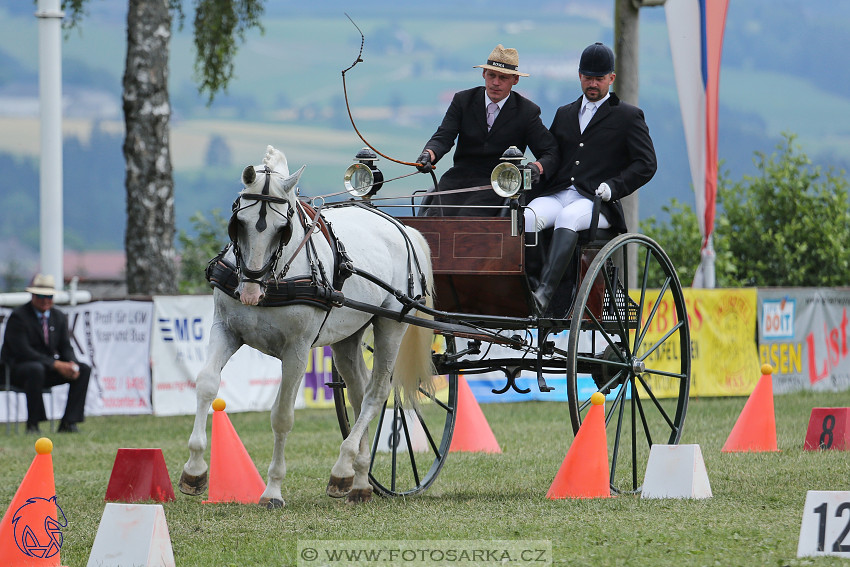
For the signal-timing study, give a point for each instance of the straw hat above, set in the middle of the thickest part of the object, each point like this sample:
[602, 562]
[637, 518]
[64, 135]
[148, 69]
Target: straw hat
[504, 60]
[43, 284]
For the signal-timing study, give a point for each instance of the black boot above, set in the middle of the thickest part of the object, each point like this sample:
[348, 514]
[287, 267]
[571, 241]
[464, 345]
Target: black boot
[561, 251]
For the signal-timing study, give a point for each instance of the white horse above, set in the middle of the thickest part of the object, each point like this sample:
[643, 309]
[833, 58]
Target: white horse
[268, 233]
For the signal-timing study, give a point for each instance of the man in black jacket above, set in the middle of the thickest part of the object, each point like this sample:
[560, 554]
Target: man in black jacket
[37, 346]
[604, 149]
[486, 121]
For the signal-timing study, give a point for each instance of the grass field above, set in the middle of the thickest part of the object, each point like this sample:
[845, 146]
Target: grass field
[753, 517]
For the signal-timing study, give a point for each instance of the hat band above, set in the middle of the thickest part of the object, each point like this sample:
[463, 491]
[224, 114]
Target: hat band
[502, 65]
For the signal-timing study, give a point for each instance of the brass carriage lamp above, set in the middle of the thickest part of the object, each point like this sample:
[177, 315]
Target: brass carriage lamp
[511, 176]
[508, 179]
[363, 178]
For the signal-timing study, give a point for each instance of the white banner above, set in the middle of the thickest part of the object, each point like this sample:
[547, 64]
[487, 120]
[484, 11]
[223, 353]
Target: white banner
[249, 381]
[113, 337]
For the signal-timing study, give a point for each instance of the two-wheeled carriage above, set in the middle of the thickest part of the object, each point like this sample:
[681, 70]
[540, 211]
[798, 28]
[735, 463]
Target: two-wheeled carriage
[620, 328]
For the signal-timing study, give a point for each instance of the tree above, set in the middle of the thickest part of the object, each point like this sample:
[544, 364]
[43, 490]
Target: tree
[786, 226]
[218, 26]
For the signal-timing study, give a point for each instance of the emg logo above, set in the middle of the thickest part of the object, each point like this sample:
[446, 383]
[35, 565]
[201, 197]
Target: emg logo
[38, 527]
[181, 330]
[777, 321]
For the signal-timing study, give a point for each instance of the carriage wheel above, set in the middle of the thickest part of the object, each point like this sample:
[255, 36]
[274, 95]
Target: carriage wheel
[633, 345]
[411, 444]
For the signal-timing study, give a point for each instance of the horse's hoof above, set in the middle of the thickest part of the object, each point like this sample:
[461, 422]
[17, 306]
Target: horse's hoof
[193, 485]
[339, 487]
[272, 503]
[359, 495]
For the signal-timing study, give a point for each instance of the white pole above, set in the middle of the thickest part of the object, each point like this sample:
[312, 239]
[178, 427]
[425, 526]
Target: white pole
[49, 17]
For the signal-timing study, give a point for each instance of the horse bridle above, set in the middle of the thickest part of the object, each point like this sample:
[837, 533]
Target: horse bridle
[263, 199]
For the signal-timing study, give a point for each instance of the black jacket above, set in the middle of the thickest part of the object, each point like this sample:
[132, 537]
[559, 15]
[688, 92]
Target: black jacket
[615, 148]
[24, 337]
[478, 150]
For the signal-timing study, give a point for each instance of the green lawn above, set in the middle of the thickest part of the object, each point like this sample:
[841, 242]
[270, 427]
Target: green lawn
[753, 518]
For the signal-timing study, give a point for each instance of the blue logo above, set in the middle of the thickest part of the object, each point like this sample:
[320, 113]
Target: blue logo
[38, 532]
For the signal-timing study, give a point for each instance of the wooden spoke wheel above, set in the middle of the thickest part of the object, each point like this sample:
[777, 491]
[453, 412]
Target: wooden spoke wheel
[633, 345]
[409, 444]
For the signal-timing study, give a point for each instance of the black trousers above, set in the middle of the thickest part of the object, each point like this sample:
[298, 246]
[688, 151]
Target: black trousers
[33, 377]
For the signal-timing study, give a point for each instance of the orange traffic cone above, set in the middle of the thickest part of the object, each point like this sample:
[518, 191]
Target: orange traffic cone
[233, 475]
[31, 529]
[584, 472]
[755, 430]
[472, 433]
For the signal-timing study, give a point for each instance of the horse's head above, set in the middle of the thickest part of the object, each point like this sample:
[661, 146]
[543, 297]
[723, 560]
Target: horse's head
[262, 221]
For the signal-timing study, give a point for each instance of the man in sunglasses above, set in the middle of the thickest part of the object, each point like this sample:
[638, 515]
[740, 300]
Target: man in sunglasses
[37, 347]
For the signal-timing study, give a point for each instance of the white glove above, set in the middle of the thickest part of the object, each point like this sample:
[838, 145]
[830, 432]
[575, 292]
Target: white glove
[604, 191]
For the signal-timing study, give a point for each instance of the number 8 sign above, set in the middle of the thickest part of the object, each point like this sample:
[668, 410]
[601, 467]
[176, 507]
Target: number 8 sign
[826, 524]
[828, 429]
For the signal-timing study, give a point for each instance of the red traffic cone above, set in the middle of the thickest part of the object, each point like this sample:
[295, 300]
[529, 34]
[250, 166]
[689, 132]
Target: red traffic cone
[233, 475]
[31, 529]
[472, 432]
[585, 472]
[755, 430]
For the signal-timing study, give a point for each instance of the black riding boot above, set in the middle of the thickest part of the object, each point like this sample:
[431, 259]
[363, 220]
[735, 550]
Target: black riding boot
[561, 251]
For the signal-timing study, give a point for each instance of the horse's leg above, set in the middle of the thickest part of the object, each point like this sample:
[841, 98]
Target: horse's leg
[388, 335]
[223, 344]
[348, 360]
[282, 418]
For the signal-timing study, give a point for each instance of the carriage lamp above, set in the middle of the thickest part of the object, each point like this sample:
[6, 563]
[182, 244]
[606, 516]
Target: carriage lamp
[363, 178]
[510, 177]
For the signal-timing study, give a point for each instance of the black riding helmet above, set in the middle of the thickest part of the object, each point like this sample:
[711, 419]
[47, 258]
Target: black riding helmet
[597, 60]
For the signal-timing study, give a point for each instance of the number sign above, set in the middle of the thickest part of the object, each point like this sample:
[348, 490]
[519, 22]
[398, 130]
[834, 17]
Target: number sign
[825, 529]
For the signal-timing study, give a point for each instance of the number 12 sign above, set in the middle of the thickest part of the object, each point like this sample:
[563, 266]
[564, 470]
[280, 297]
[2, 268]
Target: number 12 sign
[826, 524]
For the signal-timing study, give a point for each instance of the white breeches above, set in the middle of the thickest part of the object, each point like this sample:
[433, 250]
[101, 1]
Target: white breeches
[564, 209]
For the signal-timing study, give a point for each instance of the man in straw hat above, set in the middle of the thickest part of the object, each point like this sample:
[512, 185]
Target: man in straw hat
[37, 346]
[486, 121]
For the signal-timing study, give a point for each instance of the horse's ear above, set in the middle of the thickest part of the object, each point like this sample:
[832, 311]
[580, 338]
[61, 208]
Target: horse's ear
[292, 180]
[249, 175]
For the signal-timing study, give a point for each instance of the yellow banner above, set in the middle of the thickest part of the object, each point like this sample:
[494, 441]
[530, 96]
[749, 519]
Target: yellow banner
[724, 357]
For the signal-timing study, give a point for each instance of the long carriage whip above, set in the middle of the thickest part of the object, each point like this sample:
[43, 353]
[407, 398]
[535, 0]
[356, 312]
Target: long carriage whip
[348, 107]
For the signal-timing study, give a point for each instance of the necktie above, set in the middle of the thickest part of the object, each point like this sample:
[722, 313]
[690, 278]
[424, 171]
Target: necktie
[45, 329]
[586, 114]
[492, 111]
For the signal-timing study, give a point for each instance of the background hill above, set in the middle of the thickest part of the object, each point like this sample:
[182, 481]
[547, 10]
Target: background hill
[783, 71]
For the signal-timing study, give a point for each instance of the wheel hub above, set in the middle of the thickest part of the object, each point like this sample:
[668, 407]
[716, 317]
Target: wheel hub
[638, 366]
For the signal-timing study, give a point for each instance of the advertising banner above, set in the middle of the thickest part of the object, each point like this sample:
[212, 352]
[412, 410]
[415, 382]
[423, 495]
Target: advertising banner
[803, 335]
[724, 360]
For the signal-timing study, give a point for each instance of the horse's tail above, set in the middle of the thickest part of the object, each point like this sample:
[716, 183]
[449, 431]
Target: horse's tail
[414, 368]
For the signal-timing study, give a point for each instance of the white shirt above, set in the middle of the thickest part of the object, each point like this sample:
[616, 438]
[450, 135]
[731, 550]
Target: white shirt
[584, 103]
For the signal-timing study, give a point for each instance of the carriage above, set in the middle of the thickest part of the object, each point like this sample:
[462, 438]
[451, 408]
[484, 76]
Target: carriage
[620, 328]
[597, 337]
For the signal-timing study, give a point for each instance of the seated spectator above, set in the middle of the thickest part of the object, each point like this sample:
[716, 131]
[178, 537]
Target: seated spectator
[37, 347]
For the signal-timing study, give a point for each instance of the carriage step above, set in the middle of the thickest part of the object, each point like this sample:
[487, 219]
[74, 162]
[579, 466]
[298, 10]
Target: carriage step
[541, 384]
